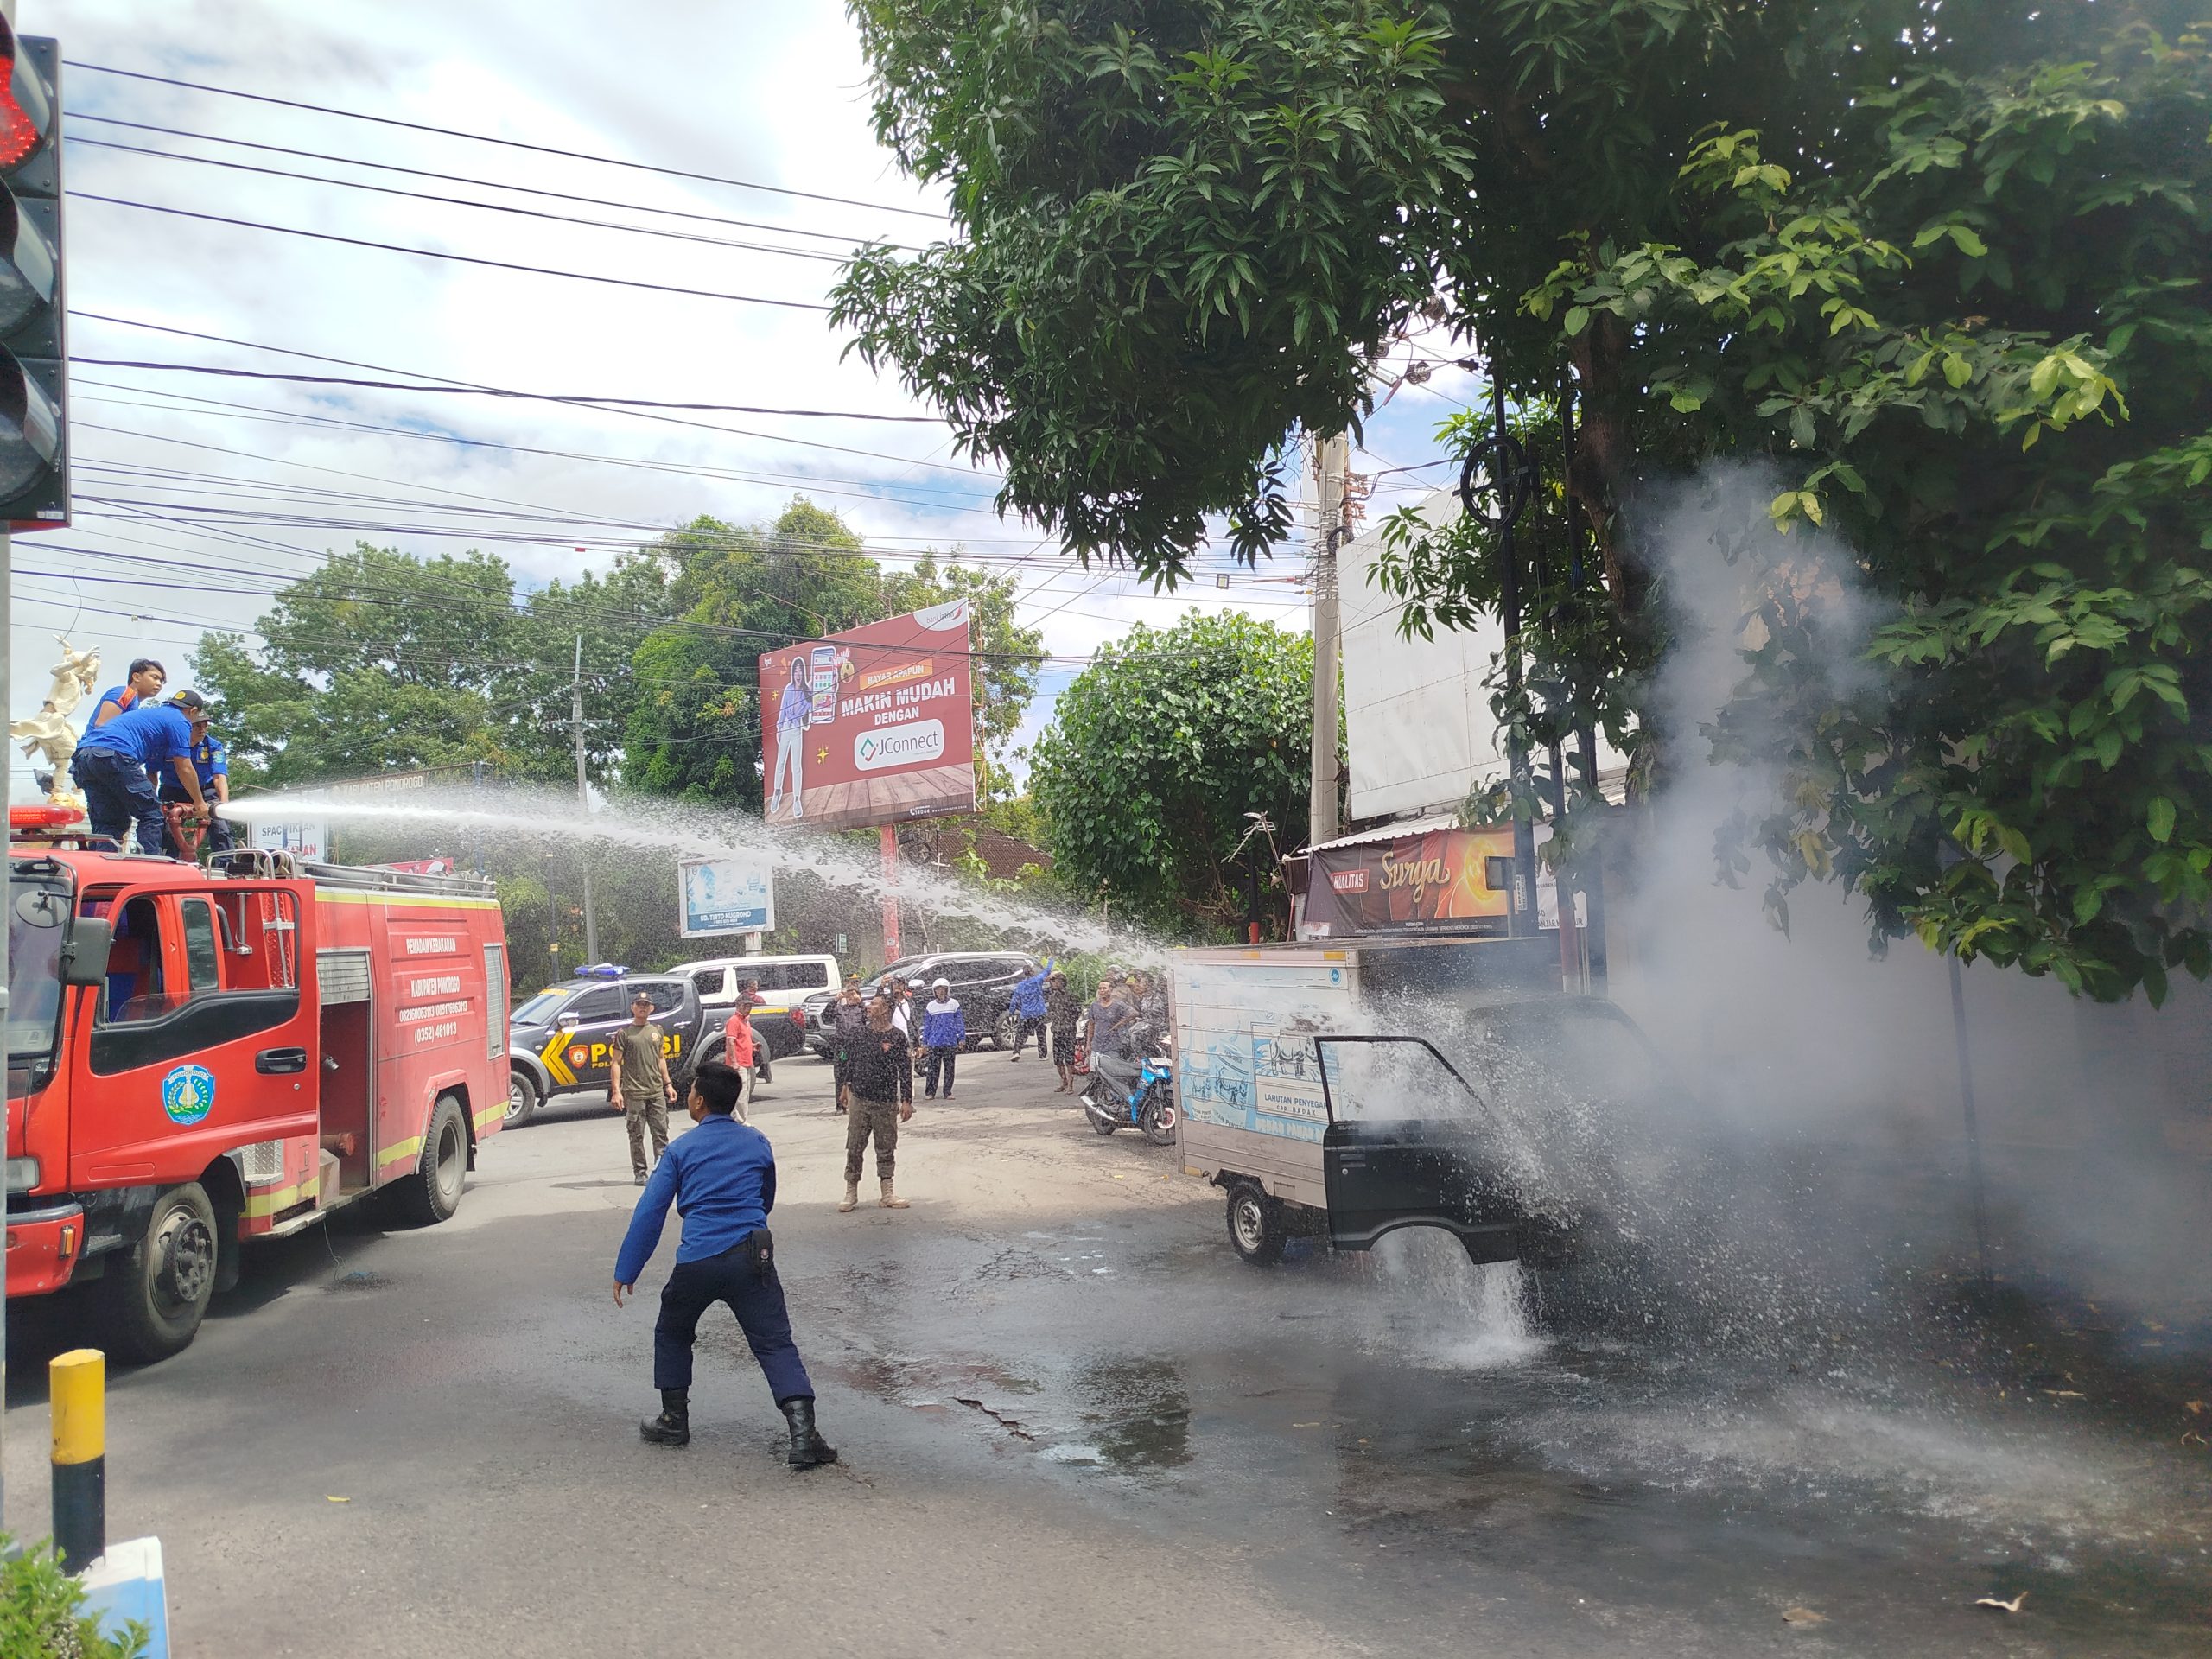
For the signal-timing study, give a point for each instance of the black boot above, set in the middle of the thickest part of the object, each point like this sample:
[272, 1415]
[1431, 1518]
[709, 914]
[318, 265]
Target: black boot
[673, 1425]
[808, 1449]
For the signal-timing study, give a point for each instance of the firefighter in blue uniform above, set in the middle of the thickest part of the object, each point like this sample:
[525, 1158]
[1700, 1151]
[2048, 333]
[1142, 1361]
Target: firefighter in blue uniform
[113, 761]
[210, 759]
[722, 1178]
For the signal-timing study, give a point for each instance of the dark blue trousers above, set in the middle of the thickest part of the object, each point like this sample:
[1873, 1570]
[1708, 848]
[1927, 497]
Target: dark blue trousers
[744, 1276]
[117, 795]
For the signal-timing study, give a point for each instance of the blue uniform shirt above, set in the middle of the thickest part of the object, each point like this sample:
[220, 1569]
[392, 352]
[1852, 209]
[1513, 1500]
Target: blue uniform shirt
[211, 759]
[722, 1176]
[153, 734]
[122, 697]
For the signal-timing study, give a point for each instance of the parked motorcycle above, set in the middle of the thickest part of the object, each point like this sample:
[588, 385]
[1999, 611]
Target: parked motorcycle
[1138, 1094]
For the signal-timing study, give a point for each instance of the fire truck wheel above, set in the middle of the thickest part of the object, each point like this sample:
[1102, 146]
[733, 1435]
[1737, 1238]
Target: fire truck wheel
[156, 1292]
[522, 1099]
[434, 1193]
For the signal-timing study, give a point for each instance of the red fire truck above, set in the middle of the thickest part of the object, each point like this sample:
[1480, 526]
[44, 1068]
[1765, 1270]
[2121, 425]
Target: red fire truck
[196, 1059]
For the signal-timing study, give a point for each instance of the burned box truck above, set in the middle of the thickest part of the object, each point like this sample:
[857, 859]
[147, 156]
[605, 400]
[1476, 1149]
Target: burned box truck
[1345, 1090]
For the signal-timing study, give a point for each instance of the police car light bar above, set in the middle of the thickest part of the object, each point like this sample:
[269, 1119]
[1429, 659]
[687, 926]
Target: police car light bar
[602, 971]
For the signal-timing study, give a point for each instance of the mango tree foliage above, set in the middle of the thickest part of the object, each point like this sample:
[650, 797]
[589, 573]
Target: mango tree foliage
[1941, 269]
[1156, 753]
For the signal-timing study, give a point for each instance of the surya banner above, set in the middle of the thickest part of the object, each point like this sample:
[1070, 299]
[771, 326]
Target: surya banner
[1454, 878]
[875, 725]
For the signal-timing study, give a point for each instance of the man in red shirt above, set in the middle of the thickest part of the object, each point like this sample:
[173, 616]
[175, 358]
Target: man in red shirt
[738, 1054]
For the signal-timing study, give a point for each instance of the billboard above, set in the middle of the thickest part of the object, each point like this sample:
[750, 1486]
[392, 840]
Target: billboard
[875, 725]
[729, 894]
[1458, 879]
[309, 842]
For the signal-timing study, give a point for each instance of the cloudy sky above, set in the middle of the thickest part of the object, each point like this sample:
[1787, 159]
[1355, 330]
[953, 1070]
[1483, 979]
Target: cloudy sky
[197, 497]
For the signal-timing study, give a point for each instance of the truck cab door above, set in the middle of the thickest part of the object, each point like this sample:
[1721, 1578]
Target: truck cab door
[201, 1040]
[1410, 1144]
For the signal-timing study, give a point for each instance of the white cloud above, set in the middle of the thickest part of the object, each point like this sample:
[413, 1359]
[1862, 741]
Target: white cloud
[772, 94]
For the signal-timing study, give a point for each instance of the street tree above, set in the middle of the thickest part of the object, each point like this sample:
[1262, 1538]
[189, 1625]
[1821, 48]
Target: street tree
[1939, 269]
[376, 660]
[1157, 752]
[695, 725]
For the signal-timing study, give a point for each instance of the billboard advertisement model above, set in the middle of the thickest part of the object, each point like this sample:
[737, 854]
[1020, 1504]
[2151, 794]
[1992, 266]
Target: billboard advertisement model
[875, 725]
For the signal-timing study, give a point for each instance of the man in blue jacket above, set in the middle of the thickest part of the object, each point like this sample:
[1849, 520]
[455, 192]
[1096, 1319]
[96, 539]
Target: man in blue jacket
[722, 1178]
[112, 763]
[1029, 1010]
[943, 1029]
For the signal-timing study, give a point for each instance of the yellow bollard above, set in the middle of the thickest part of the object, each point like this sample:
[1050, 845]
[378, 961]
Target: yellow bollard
[77, 1395]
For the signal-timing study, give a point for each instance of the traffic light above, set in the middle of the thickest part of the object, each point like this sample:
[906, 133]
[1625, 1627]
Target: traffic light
[33, 353]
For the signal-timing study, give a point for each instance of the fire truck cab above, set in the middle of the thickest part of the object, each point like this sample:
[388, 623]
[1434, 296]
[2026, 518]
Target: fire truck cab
[197, 1060]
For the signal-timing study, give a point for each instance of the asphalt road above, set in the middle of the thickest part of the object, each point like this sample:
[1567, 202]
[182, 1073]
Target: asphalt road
[1072, 1422]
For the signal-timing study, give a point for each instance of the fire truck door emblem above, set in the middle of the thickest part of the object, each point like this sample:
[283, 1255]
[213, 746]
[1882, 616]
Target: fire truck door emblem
[188, 1094]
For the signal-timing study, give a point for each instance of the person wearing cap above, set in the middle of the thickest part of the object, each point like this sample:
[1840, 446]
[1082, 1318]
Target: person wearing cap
[943, 1029]
[142, 683]
[210, 759]
[637, 1083]
[113, 761]
[1028, 1005]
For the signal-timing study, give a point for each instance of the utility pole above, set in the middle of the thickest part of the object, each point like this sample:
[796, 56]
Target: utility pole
[1331, 457]
[576, 723]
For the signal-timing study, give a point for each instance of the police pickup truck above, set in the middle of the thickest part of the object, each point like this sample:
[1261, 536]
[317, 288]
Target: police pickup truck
[562, 1038]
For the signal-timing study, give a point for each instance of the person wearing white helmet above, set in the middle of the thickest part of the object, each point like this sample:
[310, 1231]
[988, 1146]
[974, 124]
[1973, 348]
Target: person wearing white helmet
[944, 1028]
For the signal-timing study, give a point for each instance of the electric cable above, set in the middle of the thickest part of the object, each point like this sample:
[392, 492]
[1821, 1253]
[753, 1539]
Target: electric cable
[460, 178]
[457, 258]
[486, 138]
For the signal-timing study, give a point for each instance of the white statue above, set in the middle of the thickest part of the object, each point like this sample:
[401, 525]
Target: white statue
[48, 731]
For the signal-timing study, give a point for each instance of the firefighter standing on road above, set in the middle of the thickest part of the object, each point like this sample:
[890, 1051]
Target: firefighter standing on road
[637, 1083]
[722, 1178]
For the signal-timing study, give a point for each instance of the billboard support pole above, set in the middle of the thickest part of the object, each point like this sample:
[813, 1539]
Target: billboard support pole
[889, 835]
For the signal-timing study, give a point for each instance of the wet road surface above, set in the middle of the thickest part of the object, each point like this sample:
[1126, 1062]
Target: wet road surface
[1072, 1421]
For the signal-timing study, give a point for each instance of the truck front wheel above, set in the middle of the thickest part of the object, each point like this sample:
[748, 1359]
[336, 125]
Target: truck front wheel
[432, 1192]
[155, 1294]
[1255, 1225]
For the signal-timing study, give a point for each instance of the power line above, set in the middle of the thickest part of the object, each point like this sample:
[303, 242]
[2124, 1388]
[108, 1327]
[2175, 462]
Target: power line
[640, 414]
[457, 258]
[508, 143]
[458, 178]
[463, 201]
[502, 391]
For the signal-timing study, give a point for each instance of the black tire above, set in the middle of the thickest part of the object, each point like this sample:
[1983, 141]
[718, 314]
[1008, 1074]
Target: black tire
[432, 1193]
[522, 1098]
[1004, 1030]
[154, 1294]
[1255, 1225]
[1157, 1117]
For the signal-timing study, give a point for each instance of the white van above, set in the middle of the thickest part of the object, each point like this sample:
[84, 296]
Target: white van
[786, 982]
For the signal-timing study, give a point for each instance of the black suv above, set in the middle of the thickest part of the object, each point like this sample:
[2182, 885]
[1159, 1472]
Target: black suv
[983, 980]
[558, 1040]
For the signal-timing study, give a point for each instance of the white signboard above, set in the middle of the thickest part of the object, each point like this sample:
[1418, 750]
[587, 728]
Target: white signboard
[731, 894]
[309, 842]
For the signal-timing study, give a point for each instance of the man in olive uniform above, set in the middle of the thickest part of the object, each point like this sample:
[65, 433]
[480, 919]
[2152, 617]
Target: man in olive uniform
[637, 1083]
